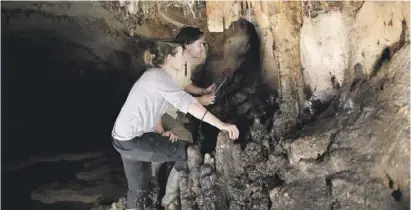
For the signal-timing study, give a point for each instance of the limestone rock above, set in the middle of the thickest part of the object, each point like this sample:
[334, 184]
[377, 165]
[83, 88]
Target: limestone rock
[309, 148]
[309, 194]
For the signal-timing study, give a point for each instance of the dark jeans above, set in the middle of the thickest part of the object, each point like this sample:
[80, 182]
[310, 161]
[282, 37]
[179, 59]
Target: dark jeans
[137, 154]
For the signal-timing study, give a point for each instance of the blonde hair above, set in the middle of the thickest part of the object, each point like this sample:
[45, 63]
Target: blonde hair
[158, 51]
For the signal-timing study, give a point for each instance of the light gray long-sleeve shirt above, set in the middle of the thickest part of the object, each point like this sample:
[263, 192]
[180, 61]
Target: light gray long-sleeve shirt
[150, 97]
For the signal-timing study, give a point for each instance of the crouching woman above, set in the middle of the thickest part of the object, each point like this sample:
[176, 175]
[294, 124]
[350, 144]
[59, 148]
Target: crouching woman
[137, 130]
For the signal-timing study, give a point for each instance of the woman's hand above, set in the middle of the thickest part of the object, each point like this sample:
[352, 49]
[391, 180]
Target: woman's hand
[210, 90]
[206, 99]
[171, 134]
[232, 130]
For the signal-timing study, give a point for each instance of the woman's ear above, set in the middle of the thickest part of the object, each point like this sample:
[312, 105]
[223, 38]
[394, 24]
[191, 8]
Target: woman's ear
[185, 46]
[169, 58]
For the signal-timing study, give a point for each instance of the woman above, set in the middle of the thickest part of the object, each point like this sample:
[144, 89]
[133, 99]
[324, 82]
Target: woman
[137, 133]
[192, 40]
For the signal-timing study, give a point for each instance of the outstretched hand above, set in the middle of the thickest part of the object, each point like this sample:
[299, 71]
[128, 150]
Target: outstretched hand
[211, 89]
[207, 99]
[171, 134]
[232, 130]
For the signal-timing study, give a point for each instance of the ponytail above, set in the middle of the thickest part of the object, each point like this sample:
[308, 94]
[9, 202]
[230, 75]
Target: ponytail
[155, 52]
[148, 57]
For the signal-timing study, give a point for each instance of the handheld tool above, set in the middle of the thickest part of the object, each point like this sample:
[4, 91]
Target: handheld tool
[221, 84]
[226, 72]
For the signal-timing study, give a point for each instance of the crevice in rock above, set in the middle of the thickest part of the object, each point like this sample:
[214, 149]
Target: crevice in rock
[385, 56]
[335, 83]
[329, 185]
[389, 51]
[322, 157]
[359, 8]
[394, 188]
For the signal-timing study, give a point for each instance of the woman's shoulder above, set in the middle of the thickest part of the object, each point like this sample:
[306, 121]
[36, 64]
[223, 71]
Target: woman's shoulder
[156, 75]
[154, 71]
[159, 73]
[150, 73]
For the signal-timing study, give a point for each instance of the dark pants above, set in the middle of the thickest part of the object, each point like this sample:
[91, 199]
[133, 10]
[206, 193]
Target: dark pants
[137, 154]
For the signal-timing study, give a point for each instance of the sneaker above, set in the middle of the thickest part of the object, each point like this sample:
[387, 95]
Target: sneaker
[172, 206]
[142, 202]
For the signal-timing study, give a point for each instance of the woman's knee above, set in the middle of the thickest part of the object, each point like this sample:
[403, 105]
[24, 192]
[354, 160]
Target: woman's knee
[183, 134]
[194, 159]
[187, 136]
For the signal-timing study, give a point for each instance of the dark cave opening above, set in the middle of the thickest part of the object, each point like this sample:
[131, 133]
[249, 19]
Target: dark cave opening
[53, 102]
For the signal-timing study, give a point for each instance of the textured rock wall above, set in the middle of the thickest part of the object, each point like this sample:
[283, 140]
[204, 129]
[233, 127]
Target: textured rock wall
[354, 156]
[343, 160]
[336, 43]
[310, 49]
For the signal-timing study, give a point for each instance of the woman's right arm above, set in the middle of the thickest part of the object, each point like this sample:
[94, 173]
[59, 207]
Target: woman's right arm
[187, 103]
[198, 111]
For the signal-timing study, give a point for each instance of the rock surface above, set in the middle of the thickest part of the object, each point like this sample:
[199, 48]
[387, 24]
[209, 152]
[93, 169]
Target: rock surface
[354, 158]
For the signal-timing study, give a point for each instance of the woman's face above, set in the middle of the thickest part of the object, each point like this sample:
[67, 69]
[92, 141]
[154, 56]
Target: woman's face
[177, 61]
[196, 49]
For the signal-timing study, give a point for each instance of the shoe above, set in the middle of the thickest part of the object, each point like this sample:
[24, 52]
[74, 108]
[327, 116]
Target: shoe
[141, 202]
[172, 206]
[172, 191]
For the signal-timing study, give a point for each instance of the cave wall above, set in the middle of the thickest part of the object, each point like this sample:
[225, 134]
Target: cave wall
[349, 35]
[84, 29]
[301, 58]
[310, 49]
[355, 155]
